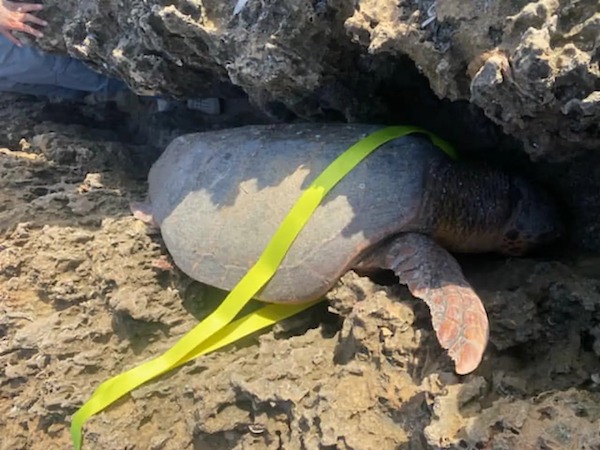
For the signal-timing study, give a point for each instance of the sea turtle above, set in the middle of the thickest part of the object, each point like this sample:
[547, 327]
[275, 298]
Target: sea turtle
[219, 196]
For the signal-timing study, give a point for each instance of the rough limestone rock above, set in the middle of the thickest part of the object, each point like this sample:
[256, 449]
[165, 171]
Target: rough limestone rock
[531, 66]
[86, 292]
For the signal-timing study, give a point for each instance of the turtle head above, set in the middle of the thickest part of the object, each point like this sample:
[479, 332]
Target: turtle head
[534, 220]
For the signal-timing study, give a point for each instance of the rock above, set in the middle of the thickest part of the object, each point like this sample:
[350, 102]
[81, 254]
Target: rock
[87, 292]
[532, 67]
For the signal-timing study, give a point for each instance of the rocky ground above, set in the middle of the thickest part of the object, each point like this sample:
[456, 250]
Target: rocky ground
[85, 294]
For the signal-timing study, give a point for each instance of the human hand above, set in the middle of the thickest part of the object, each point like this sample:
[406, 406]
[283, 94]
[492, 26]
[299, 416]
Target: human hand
[14, 17]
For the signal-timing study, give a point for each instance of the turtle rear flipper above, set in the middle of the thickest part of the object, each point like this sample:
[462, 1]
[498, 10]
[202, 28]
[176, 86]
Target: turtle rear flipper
[433, 275]
[143, 211]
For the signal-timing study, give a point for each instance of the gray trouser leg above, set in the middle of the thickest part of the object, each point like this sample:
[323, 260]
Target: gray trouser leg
[29, 70]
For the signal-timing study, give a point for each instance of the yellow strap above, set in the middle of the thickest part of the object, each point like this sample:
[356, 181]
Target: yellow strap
[216, 331]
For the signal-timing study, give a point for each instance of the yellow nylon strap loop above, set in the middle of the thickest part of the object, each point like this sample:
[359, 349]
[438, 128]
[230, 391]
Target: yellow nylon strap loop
[216, 331]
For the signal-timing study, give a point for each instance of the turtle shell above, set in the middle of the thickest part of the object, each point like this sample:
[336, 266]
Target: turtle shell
[219, 197]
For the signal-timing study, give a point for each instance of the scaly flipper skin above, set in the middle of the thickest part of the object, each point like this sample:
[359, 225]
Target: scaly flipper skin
[143, 211]
[433, 275]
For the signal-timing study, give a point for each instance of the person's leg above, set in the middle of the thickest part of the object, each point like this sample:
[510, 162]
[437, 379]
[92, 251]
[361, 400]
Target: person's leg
[42, 73]
[28, 70]
[41, 90]
[74, 74]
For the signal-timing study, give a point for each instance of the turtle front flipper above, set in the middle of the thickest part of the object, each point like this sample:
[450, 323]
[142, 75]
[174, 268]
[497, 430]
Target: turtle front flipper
[433, 275]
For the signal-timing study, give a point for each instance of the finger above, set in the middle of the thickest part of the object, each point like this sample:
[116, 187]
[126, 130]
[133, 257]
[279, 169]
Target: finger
[29, 7]
[8, 35]
[33, 19]
[27, 29]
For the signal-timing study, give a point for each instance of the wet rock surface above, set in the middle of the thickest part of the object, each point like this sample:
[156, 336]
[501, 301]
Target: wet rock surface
[87, 292]
[531, 66]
